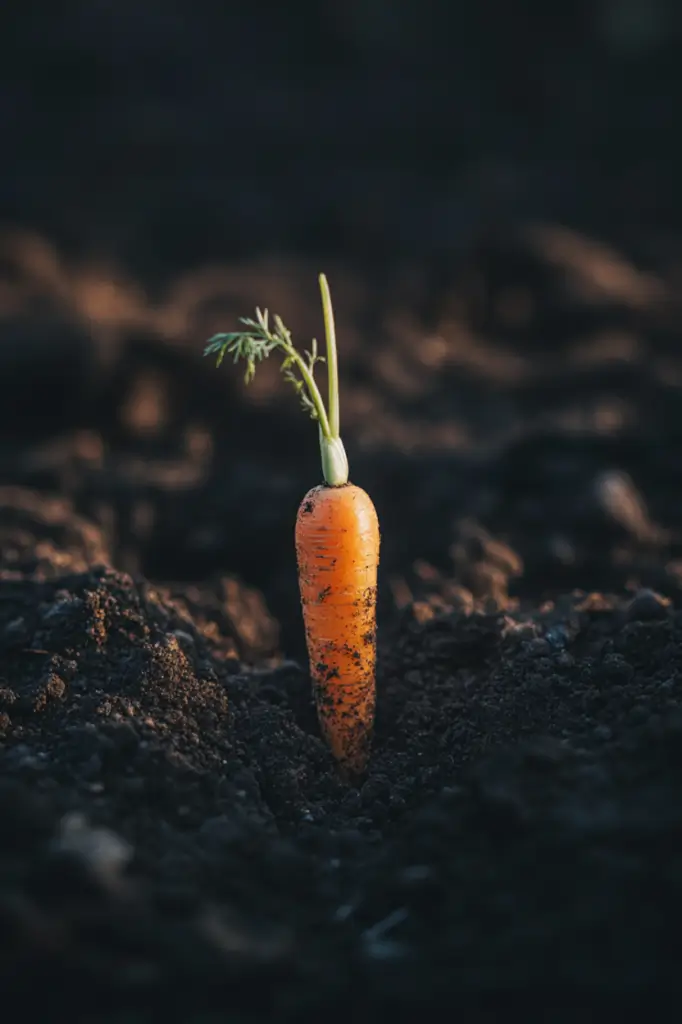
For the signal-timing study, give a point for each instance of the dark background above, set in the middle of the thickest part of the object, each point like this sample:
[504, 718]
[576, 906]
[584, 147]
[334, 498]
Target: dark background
[167, 134]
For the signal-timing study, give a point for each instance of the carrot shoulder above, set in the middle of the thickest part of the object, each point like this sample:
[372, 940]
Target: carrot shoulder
[337, 546]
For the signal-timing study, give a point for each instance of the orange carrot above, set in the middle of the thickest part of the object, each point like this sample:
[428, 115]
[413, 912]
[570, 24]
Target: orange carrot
[337, 546]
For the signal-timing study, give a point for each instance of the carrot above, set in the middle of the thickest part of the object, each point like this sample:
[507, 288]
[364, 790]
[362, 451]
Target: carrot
[337, 545]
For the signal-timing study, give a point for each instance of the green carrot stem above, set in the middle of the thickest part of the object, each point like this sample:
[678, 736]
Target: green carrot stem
[332, 359]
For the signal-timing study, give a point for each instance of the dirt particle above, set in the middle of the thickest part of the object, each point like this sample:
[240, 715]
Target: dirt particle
[8, 697]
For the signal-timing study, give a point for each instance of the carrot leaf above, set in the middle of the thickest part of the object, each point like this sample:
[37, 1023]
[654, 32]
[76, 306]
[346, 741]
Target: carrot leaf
[257, 342]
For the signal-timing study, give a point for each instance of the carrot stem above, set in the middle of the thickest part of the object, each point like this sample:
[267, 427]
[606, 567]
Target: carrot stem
[313, 391]
[332, 359]
[332, 452]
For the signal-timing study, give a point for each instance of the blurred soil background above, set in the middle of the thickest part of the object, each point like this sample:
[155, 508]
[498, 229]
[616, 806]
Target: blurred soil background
[493, 192]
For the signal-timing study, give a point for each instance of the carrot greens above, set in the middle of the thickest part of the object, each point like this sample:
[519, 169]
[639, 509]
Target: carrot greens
[260, 339]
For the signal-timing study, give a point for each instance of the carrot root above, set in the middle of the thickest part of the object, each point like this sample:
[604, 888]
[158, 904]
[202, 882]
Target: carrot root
[337, 548]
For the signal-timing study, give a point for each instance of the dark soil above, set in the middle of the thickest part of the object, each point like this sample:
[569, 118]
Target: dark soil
[175, 836]
[176, 842]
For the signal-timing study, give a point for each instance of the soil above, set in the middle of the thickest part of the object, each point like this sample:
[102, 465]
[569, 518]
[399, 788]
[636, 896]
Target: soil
[176, 842]
[175, 835]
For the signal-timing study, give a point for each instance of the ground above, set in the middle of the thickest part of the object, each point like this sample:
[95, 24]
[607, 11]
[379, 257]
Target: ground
[175, 834]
